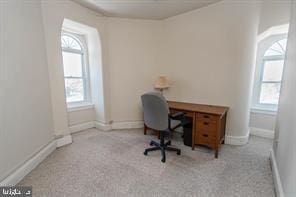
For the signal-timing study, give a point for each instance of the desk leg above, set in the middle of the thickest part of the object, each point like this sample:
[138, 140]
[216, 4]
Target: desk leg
[216, 153]
[193, 132]
[145, 129]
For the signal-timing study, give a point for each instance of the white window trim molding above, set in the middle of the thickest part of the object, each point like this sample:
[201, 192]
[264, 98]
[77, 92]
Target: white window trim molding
[79, 106]
[263, 111]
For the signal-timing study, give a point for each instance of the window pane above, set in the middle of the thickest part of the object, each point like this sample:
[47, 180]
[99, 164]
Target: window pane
[278, 48]
[69, 42]
[72, 64]
[74, 90]
[270, 93]
[271, 52]
[273, 70]
[283, 44]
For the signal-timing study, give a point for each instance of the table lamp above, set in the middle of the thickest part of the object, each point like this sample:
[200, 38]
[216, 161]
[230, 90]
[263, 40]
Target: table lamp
[162, 83]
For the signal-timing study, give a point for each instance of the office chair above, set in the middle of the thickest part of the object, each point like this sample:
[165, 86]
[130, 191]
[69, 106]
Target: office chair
[157, 117]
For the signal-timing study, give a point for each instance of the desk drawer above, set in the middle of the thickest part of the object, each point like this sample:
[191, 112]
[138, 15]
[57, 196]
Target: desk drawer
[206, 134]
[205, 125]
[205, 139]
[203, 117]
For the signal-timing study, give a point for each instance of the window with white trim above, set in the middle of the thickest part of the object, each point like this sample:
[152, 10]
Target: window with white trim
[270, 65]
[74, 51]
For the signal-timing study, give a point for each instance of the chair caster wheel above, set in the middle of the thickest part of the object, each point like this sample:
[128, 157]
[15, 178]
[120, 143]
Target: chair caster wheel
[163, 160]
[178, 152]
[145, 153]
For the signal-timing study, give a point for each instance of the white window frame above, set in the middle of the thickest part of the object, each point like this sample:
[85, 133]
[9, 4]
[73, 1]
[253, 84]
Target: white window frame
[85, 70]
[263, 46]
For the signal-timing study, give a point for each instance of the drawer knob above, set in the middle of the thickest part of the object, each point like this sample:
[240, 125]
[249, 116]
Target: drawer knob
[206, 123]
[206, 116]
[205, 135]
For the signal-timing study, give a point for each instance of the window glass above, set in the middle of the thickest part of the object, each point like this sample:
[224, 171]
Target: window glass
[278, 48]
[270, 93]
[269, 71]
[70, 42]
[72, 64]
[75, 68]
[273, 70]
[74, 89]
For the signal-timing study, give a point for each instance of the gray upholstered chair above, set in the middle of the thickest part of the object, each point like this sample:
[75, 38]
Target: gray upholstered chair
[156, 117]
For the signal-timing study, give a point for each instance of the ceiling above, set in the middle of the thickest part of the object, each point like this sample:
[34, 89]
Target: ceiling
[144, 9]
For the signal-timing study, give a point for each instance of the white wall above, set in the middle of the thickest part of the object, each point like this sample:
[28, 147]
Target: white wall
[274, 13]
[209, 56]
[134, 51]
[285, 146]
[262, 124]
[26, 117]
[263, 121]
[81, 116]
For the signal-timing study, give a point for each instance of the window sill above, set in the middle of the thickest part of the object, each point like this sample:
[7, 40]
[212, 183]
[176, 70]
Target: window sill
[79, 107]
[264, 111]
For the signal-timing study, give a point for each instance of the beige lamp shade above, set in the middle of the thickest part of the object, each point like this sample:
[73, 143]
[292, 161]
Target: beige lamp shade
[161, 83]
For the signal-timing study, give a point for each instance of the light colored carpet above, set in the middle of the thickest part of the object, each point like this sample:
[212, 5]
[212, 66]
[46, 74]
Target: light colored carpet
[112, 164]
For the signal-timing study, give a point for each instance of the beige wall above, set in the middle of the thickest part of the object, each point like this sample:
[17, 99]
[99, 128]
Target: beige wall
[209, 56]
[134, 51]
[285, 146]
[25, 117]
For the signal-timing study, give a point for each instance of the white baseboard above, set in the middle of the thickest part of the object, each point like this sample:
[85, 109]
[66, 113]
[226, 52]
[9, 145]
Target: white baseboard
[128, 125]
[232, 140]
[102, 126]
[119, 125]
[262, 132]
[236, 140]
[81, 127]
[65, 140]
[18, 174]
[276, 176]
[29, 165]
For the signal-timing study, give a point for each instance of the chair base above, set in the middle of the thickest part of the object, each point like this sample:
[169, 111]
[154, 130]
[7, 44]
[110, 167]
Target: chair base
[162, 147]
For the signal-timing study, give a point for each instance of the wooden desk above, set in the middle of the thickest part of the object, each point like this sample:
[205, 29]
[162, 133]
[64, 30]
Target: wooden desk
[208, 121]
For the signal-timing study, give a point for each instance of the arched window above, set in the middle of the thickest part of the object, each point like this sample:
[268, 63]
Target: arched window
[272, 70]
[75, 68]
[270, 65]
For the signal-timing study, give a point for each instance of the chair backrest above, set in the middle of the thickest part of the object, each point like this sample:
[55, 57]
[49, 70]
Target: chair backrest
[156, 111]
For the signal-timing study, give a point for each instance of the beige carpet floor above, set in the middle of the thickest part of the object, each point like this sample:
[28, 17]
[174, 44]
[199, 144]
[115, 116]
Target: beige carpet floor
[112, 164]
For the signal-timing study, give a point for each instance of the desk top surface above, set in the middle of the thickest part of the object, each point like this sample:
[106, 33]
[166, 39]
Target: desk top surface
[209, 109]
